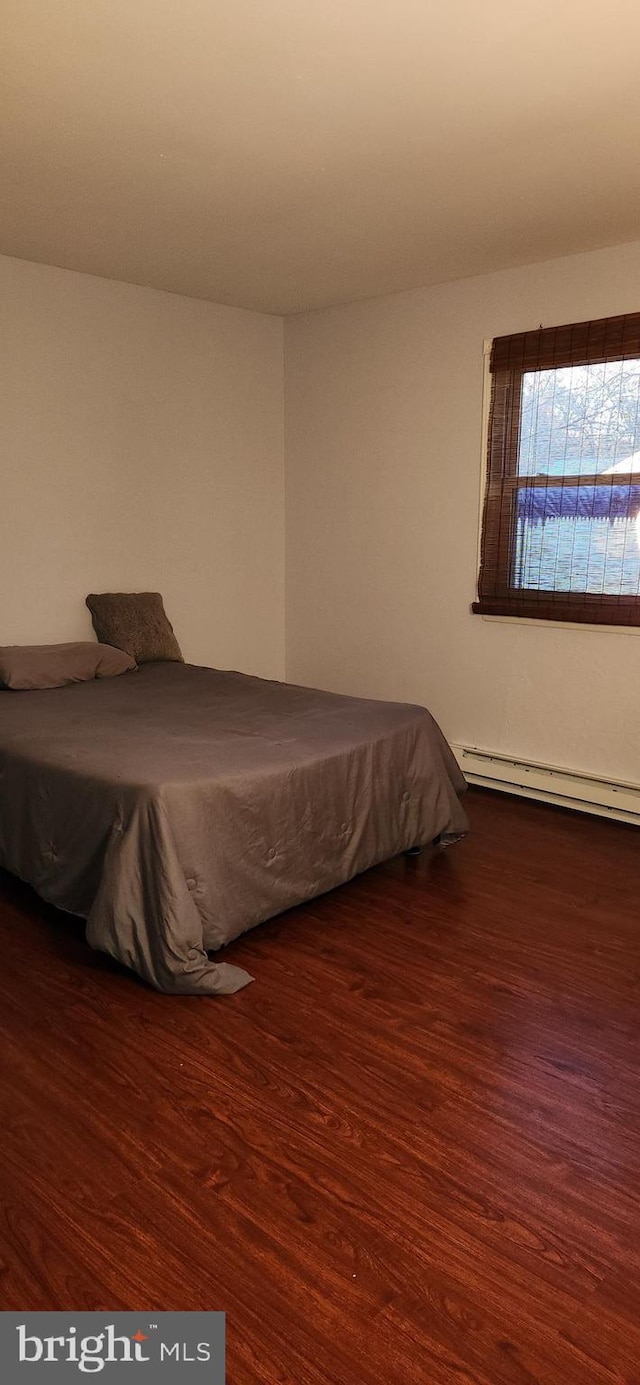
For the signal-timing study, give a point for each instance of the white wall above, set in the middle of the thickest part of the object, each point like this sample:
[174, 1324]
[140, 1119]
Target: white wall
[383, 439]
[141, 447]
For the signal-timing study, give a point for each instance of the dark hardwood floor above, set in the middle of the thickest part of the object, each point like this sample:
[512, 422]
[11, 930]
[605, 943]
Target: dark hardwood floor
[409, 1154]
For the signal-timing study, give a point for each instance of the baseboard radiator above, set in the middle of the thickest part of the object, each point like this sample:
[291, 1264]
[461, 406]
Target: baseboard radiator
[566, 787]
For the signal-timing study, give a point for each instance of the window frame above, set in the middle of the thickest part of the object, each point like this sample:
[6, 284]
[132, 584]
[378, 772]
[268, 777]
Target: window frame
[607, 339]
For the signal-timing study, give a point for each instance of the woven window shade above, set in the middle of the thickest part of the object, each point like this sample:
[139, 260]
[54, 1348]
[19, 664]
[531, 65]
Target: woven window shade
[561, 523]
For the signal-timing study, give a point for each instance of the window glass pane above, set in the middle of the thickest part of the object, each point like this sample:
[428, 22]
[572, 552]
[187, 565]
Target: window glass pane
[578, 555]
[580, 420]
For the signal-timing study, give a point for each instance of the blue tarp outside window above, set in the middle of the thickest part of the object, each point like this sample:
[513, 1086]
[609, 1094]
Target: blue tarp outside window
[538, 504]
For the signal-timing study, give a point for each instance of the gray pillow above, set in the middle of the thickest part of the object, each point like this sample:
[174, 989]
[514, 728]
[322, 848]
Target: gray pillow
[135, 622]
[29, 666]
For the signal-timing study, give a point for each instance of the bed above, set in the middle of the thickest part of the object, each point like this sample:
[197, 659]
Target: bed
[175, 807]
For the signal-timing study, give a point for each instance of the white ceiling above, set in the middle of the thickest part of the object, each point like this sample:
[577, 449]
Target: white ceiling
[287, 154]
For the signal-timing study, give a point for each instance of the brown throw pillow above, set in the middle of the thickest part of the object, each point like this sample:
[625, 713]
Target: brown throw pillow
[33, 666]
[135, 622]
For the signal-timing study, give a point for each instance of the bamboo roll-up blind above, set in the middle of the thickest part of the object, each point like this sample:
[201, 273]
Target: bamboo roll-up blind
[561, 523]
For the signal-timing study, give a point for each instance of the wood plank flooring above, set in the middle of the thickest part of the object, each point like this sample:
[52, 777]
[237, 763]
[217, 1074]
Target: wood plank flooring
[409, 1154]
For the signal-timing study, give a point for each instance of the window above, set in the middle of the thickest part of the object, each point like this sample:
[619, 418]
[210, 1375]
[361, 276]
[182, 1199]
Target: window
[561, 523]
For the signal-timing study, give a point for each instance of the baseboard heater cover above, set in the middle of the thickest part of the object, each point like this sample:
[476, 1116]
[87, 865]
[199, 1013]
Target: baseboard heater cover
[588, 793]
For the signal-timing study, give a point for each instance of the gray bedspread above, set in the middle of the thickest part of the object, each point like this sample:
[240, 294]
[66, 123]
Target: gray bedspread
[175, 807]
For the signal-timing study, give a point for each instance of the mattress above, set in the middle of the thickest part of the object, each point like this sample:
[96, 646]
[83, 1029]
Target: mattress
[175, 807]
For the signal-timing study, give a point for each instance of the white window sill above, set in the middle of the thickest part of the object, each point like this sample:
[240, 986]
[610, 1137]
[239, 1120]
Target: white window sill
[564, 625]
